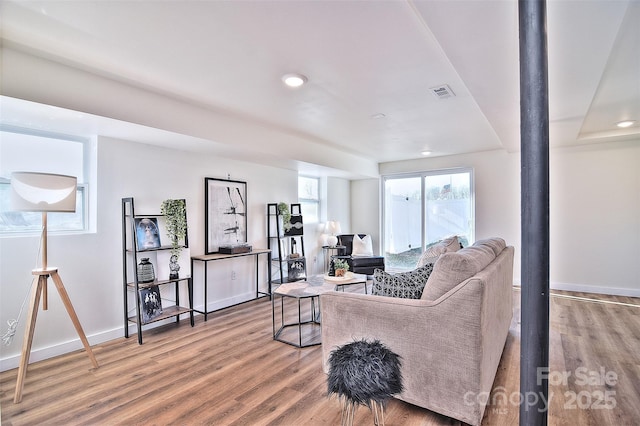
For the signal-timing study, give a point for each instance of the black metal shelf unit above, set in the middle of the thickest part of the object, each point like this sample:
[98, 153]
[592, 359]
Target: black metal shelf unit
[283, 244]
[131, 255]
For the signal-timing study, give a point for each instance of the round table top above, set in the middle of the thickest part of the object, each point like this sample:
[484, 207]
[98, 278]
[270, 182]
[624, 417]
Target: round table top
[316, 285]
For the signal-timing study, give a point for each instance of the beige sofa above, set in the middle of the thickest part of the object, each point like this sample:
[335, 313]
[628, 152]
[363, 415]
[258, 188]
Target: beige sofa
[450, 341]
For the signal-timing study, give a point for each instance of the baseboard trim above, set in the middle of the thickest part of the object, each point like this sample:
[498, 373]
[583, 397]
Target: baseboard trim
[41, 354]
[583, 288]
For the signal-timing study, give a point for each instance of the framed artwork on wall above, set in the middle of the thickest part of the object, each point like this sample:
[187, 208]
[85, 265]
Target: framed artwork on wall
[225, 213]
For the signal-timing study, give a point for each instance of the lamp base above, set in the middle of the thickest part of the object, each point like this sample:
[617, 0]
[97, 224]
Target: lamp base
[332, 241]
[39, 286]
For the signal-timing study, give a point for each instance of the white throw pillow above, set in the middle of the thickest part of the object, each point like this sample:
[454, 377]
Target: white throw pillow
[362, 246]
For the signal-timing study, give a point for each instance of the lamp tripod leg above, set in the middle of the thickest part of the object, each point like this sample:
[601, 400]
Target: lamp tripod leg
[37, 285]
[74, 318]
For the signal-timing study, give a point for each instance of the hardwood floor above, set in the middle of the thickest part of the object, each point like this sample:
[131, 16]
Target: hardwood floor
[229, 371]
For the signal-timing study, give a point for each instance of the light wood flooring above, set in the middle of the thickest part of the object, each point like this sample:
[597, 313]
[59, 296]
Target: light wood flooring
[229, 371]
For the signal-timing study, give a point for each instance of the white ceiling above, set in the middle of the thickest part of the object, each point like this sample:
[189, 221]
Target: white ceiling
[362, 59]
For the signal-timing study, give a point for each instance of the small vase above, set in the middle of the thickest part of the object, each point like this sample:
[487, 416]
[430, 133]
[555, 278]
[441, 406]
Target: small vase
[341, 272]
[145, 271]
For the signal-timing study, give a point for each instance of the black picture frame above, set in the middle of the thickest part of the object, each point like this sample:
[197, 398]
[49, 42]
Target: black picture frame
[296, 226]
[150, 303]
[297, 269]
[147, 233]
[225, 213]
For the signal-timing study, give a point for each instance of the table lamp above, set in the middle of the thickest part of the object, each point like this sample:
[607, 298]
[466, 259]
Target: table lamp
[44, 192]
[333, 229]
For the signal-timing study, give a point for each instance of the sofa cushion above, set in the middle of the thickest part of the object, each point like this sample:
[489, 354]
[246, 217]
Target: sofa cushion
[452, 268]
[496, 244]
[431, 254]
[406, 285]
[451, 243]
[362, 246]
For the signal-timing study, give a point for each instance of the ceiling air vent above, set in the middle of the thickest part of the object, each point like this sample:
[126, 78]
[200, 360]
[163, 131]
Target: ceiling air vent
[442, 92]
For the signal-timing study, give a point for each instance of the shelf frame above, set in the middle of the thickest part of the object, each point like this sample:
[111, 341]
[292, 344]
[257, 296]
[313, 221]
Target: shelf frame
[130, 254]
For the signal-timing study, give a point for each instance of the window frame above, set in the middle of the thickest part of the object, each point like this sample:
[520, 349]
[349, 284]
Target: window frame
[310, 201]
[89, 161]
[423, 175]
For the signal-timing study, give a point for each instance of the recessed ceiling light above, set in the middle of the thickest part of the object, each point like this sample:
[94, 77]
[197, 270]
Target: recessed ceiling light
[426, 153]
[378, 116]
[626, 123]
[294, 80]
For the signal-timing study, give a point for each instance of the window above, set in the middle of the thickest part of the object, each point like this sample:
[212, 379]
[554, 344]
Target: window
[309, 198]
[25, 150]
[421, 209]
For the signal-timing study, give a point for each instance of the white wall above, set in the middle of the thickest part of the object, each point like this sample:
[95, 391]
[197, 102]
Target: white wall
[595, 218]
[339, 202]
[91, 264]
[594, 205]
[365, 210]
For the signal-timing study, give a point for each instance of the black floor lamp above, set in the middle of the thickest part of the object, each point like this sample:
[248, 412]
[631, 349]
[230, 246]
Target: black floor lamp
[44, 192]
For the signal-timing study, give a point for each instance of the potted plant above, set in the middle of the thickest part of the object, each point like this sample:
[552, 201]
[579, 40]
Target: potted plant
[341, 267]
[285, 214]
[175, 214]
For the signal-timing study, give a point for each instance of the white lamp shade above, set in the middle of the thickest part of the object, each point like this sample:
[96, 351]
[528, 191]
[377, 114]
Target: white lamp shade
[337, 230]
[333, 227]
[43, 192]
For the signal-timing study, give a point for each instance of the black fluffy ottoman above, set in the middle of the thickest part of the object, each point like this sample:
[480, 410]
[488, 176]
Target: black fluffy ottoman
[364, 373]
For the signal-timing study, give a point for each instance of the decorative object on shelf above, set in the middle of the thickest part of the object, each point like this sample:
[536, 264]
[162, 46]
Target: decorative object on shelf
[147, 234]
[285, 214]
[294, 251]
[175, 214]
[150, 303]
[235, 249]
[44, 192]
[295, 226]
[225, 214]
[145, 270]
[296, 269]
[332, 229]
[364, 373]
[174, 268]
[340, 267]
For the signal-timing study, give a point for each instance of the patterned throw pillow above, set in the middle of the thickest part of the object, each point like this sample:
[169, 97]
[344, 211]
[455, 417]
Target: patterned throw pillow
[406, 285]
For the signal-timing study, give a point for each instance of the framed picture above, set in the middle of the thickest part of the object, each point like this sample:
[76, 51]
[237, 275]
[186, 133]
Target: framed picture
[296, 269]
[147, 233]
[150, 303]
[225, 213]
[296, 226]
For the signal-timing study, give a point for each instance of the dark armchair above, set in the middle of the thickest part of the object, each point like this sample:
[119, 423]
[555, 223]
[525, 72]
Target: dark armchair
[358, 264]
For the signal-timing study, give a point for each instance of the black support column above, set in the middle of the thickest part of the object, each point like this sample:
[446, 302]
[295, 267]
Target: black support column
[534, 129]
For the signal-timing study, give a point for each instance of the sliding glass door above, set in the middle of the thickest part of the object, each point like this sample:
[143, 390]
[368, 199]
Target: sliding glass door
[423, 208]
